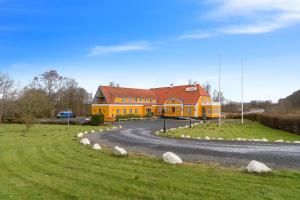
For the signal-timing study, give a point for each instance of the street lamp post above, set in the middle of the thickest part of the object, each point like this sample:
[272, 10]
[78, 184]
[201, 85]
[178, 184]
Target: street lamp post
[190, 122]
[163, 112]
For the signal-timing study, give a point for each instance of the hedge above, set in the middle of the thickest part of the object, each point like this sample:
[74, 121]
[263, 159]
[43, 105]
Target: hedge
[127, 116]
[97, 120]
[276, 121]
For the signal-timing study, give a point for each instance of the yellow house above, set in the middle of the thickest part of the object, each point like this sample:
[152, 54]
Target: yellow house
[176, 101]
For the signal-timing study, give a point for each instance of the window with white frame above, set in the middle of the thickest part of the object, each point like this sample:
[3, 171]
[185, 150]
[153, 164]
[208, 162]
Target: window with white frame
[130, 110]
[124, 110]
[136, 110]
[118, 110]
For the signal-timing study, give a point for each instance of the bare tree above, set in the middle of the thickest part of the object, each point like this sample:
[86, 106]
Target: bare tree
[32, 104]
[207, 87]
[35, 84]
[50, 80]
[7, 92]
[192, 82]
[216, 96]
[113, 84]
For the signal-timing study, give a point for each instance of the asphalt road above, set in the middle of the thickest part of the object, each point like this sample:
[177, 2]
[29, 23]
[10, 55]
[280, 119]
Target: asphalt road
[137, 136]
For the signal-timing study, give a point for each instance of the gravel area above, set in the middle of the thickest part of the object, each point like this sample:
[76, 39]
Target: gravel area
[137, 136]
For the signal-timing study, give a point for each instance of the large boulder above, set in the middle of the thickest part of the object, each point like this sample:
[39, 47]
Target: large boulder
[80, 135]
[119, 151]
[85, 141]
[264, 140]
[172, 158]
[257, 167]
[206, 138]
[280, 140]
[96, 146]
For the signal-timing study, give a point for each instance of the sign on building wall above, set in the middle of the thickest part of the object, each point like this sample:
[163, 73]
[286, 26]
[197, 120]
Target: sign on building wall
[191, 89]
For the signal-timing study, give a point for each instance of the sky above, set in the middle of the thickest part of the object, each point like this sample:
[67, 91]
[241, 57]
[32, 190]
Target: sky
[153, 43]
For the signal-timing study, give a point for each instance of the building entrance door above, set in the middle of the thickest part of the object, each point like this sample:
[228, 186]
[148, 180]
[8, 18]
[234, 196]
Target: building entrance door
[148, 111]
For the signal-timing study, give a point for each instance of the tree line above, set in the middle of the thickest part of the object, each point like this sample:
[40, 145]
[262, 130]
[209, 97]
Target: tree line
[46, 95]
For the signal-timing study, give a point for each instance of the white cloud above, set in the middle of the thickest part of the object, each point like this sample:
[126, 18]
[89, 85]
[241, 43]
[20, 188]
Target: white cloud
[196, 35]
[255, 16]
[248, 17]
[102, 49]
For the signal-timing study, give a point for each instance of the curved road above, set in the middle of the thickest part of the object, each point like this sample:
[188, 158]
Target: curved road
[137, 136]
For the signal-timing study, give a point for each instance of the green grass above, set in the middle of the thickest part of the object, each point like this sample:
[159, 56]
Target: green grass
[48, 163]
[233, 129]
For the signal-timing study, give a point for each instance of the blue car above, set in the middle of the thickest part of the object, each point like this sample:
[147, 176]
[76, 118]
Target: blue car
[65, 114]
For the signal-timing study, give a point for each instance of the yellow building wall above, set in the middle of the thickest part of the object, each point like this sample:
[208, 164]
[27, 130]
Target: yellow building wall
[189, 111]
[134, 100]
[176, 107]
[111, 111]
[96, 109]
[212, 111]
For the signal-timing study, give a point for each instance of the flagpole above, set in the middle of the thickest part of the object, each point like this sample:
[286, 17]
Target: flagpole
[220, 89]
[242, 77]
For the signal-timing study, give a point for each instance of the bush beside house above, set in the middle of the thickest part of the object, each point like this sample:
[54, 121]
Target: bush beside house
[128, 116]
[97, 120]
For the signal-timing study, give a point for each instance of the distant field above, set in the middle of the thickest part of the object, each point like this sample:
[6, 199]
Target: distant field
[234, 129]
[48, 163]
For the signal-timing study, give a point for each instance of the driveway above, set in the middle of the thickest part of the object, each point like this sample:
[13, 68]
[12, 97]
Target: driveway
[137, 136]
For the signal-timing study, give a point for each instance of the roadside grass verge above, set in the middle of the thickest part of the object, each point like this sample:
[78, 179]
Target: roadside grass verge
[47, 162]
[232, 129]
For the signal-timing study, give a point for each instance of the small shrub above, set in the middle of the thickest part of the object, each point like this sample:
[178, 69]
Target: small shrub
[127, 116]
[149, 115]
[97, 120]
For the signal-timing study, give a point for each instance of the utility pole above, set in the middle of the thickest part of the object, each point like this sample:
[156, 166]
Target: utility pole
[242, 76]
[220, 89]
[163, 112]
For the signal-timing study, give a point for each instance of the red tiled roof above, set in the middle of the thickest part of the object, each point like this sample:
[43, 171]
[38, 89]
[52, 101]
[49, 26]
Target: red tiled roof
[179, 92]
[160, 94]
[111, 92]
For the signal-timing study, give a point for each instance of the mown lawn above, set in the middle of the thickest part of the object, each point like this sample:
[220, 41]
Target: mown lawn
[48, 163]
[233, 129]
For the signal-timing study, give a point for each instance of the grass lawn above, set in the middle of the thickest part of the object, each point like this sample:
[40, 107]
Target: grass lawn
[234, 129]
[49, 163]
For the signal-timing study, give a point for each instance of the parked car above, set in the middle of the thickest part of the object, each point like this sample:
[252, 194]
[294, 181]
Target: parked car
[65, 114]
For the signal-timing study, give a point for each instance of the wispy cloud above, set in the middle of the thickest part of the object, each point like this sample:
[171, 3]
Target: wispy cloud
[250, 16]
[256, 16]
[197, 35]
[103, 49]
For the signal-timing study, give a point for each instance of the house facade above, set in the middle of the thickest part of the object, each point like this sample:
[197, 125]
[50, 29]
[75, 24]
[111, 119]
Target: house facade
[176, 101]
